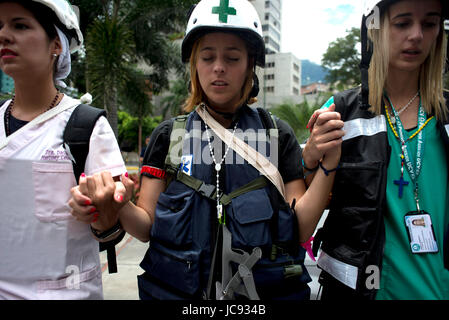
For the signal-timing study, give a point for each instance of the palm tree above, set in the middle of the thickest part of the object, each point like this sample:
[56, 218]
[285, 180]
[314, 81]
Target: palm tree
[122, 34]
[110, 50]
[136, 96]
[173, 102]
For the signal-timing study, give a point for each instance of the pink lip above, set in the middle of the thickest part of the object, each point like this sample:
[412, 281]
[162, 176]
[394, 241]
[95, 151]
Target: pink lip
[7, 54]
[219, 83]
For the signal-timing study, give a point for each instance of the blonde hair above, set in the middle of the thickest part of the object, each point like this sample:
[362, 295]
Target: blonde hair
[197, 94]
[430, 77]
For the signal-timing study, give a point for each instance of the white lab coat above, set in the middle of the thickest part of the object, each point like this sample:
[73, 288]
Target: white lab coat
[44, 252]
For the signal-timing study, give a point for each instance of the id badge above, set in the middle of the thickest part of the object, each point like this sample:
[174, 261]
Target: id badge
[420, 232]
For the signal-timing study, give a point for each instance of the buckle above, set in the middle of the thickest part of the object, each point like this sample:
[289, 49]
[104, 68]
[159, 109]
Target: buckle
[206, 190]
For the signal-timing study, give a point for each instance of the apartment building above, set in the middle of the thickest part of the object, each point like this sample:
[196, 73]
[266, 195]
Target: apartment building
[280, 80]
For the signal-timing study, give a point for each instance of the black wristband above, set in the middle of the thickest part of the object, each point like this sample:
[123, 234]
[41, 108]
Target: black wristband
[326, 172]
[105, 235]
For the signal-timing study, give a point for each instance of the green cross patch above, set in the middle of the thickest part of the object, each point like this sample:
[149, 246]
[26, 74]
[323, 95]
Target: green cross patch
[224, 10]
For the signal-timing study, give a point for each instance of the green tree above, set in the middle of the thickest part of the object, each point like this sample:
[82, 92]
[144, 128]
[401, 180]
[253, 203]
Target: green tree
[298, 115]
[136, 96]
[173, 102]
[128, 129]
[342, 58]
[121, 35]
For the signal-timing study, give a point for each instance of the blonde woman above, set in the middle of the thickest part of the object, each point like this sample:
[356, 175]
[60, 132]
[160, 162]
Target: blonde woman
[394, 162]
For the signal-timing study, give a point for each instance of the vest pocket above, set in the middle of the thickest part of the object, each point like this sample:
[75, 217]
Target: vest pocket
[249, 219]
[173, 271]
[285, 276]
[359, 225]
[52, 183]
[357, 184]
[172, 223]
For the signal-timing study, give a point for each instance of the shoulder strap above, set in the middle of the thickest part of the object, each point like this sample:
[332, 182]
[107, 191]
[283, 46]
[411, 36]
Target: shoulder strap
[172, 160]
[268, 119]
[77, 135]
[245, 151]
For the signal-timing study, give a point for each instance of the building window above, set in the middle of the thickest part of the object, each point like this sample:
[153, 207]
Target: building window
[296, 67]
[270, 65]
[269, 89]
[269, 77]
[295, 79]
[296, 91]
[267, 16]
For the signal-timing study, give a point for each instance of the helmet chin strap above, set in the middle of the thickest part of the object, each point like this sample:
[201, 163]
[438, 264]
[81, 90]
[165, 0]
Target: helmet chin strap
[367, 53]
[226, 115]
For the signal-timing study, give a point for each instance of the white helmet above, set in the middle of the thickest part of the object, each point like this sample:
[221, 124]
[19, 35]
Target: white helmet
[237, 16]
[65, 12]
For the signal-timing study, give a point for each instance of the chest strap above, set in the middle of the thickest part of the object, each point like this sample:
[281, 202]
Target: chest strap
[209, 190]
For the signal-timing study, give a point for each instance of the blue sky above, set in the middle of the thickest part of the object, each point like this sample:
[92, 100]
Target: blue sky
[309, 26]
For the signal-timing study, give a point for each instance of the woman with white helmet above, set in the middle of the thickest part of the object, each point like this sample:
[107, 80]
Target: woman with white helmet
[394, 162]
[222, 221]
[45, 252]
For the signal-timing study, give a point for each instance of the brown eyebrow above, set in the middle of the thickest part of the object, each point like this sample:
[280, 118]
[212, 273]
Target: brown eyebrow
[19, 18]
[430, 14]
[228, 49]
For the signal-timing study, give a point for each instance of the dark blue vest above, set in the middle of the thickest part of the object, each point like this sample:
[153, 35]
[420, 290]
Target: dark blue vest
[178, 262]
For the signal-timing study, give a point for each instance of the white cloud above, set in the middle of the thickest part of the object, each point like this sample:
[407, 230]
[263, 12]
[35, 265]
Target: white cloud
[309, 26]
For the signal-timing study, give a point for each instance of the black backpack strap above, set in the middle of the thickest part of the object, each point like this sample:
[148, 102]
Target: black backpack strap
[76, 139]
[77, 135]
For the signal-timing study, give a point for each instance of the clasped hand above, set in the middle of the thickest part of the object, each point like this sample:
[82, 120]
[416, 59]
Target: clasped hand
[326, 133]
[98, 199]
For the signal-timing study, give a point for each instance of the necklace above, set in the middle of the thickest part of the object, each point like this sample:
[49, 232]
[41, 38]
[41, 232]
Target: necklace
[393, 119]
[10, 108]
[218, 166]
[404, 156]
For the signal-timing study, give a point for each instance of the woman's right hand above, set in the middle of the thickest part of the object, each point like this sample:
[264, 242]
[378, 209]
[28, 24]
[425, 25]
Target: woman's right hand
[326, 132]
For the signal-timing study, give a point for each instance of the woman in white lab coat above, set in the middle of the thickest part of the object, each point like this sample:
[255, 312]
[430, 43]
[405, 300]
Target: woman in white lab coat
[45, 252]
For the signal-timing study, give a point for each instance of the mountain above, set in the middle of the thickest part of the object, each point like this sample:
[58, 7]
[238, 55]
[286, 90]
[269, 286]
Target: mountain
[312, 72]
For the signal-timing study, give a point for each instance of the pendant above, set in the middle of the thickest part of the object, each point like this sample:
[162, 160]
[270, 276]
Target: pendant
[401, 183]
[218, 167]
[219, 211]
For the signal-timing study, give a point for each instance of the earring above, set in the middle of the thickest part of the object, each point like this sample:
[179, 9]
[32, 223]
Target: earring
[54, 55]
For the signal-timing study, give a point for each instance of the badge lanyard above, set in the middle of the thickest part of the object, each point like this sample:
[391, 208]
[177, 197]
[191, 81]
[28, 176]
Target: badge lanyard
[405, 157]
[418, 223]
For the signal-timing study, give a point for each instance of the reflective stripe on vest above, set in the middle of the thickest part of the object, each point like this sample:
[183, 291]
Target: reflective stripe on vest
[364, 127]
[343, 272]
